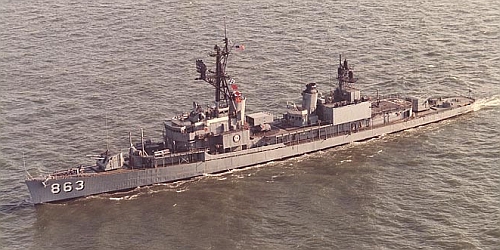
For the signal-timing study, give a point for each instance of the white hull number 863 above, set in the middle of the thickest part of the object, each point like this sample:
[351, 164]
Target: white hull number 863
[67, 187]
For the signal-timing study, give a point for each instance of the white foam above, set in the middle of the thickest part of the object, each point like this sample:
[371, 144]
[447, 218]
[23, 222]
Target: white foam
[493, 101]
[126, 197]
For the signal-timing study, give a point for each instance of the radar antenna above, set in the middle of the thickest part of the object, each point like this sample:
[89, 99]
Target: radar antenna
[345, 74]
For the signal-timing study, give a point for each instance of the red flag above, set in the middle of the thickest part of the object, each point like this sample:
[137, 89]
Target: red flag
[239, 47]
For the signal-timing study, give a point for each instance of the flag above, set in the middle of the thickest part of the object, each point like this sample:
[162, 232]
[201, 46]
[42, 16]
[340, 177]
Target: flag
[239, 47]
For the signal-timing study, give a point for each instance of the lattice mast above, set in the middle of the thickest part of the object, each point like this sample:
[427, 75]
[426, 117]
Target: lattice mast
[227, 98]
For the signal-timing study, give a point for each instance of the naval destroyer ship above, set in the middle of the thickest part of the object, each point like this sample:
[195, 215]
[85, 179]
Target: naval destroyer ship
[223, 136]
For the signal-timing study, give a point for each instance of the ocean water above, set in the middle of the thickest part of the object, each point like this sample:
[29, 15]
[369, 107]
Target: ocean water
[77, 76]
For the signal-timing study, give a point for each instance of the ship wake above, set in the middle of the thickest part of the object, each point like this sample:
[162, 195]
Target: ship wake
[493, 101]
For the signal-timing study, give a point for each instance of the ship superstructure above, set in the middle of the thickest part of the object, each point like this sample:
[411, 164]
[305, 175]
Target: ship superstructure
[222, 136]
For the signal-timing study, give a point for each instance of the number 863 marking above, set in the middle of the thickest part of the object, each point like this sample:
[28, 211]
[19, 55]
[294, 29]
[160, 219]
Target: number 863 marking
[67, 187]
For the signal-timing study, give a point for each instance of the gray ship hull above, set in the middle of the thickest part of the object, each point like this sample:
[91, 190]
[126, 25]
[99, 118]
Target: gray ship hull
[69, 187]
